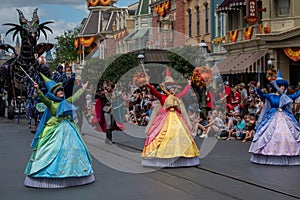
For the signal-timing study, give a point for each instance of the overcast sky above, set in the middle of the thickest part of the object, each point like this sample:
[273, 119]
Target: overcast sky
[66, 14]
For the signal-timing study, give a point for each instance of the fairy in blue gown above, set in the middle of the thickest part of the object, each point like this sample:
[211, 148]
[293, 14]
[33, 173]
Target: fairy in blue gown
[277, 137]
[60, 157]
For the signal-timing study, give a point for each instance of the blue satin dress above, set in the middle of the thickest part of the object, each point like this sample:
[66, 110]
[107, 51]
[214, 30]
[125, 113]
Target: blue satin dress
[277, 137]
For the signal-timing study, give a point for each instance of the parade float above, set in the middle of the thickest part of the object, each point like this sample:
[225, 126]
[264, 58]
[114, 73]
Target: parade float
[19, 72]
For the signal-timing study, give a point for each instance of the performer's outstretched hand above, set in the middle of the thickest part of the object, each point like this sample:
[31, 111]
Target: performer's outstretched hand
[84, 85]
[36, 85]
[258, 84]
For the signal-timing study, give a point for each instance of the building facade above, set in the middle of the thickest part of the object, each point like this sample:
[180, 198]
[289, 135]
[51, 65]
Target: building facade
[246, 56]
[260, 35]
[168, 24]
[198, 21]
[140, 33]
[282, 21]
[103, 31]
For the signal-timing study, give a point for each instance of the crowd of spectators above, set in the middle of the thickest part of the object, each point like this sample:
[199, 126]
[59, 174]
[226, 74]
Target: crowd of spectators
[243, 106]
[233, 110]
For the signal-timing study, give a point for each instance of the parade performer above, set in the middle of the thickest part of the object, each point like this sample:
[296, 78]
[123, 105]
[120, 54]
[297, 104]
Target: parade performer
[3, 100]
[169, 141]
[98, 121]
[202, 80]
[31, 98]
[104, 110]
[60, 157]
[277, 137]
[60, 76]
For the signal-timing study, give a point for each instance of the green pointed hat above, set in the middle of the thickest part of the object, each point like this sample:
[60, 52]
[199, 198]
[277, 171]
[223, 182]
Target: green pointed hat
[50, 84]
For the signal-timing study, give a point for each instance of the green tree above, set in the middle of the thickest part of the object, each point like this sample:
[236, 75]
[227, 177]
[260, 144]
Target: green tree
[65, 51]
[183, 59]
[121, 64]
[112, 68]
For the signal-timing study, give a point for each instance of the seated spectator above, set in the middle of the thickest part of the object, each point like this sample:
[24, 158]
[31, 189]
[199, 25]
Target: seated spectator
[199, 121]
[250, 127]
[238, 129]
[229, 120]
[132, 111]
[252, 103]
[214, 125]
[145, 116]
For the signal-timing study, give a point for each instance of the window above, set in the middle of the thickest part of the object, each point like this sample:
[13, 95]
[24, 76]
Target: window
[206, 19]
[190, 22]
[198, 20]
[124, 20]
[259, 14]
[283, 7]
[233, 22]
[219, 26]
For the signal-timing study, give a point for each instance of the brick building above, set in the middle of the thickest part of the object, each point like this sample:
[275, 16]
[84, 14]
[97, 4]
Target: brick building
[197, 15]
[169, 24]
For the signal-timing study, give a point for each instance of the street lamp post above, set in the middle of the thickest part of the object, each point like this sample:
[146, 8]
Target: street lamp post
[141, 59]
[258, 73]
[270, 63]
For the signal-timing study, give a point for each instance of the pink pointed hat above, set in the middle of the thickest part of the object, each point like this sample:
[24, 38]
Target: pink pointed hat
[168, 79]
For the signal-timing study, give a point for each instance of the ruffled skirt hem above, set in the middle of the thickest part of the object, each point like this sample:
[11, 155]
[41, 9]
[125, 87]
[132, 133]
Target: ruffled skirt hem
[275, 160]
[171, 162]
[58, 182]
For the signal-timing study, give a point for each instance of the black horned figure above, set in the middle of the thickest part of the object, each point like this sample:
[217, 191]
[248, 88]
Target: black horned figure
[11, 73]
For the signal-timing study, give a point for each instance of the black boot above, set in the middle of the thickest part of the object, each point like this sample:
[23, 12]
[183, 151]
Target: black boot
[109, 137]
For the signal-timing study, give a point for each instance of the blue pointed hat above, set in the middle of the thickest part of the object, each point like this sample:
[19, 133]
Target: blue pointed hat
[280, 81]
[50, 84]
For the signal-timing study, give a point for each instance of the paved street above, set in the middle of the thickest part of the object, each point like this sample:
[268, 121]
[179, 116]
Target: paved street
[225, 173]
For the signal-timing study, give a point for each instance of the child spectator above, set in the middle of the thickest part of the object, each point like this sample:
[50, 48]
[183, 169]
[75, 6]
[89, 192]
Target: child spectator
[250, 127]
[238, 129]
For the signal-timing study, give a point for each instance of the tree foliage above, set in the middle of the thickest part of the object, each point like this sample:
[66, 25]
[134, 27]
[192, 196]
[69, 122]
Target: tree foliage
[118, 66]
[65, 51]
[184, 59]
[112, 68]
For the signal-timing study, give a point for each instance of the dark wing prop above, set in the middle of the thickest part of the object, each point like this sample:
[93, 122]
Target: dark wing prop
[43, 47]
[6, 47]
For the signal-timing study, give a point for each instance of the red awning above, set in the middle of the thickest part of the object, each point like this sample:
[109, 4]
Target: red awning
[242, 63]
[227, 5]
